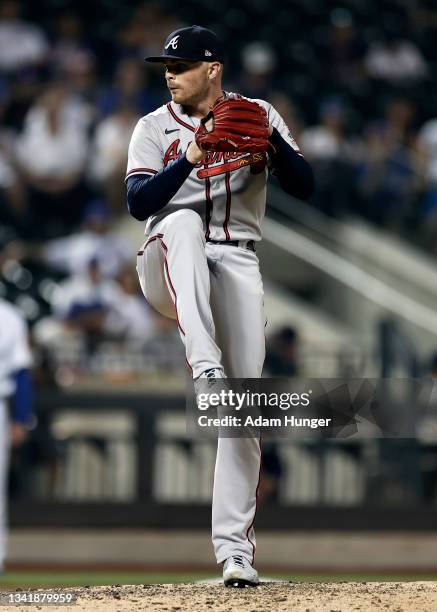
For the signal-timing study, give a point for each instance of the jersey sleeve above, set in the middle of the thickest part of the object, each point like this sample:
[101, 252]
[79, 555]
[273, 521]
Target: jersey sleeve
[145, 153]
[277, 122]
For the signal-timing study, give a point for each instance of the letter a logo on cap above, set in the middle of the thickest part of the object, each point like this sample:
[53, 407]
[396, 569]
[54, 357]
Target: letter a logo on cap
[173, 43]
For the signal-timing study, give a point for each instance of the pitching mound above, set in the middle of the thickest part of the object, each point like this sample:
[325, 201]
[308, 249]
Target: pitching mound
[281, 597]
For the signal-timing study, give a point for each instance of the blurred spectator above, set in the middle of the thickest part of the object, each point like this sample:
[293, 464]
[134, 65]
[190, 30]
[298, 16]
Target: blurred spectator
[130, 317]
[81, 306]
[388, 180]
[289, 113]
[258, 63]
[145, 30]
[326, 140]
[96, 241]
[424, 26]
[109, 155]
[51, 152]
[68, 41]
[12, 203]
[74, 63]
[121, 105]
[79, 75]
[22, 44]
[11, 248]
[85, 293]
[345, 50]
[281, 361]
[98, 309]
[332, 156]
[129, 89]
[427, 147]
[12, 197]
[400, 118]
[395, 60]
[427, 137]
[107, 323]
[384, 177]
[282, 353]
[271, 473]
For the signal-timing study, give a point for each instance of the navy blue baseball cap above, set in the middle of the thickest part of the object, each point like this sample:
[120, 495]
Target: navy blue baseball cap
[193, 43]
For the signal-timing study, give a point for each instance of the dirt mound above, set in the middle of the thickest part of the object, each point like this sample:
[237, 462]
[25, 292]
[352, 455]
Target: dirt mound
[281, 597]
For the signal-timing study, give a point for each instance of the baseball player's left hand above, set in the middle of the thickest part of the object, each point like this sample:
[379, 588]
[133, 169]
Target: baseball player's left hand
[194, 153]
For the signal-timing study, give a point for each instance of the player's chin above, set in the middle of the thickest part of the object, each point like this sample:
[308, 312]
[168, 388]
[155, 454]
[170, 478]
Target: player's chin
[177, 96]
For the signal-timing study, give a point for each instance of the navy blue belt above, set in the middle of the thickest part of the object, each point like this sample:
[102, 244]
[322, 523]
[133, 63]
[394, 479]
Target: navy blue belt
[245, 244]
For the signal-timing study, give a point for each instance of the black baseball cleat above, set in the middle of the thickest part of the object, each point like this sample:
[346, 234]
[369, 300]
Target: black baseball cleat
[239, 573]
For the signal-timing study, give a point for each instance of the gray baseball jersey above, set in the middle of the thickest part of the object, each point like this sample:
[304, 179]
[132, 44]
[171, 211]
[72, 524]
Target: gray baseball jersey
[228, 190]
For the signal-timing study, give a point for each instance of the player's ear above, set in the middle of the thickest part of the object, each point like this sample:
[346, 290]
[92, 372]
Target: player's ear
[214, 70]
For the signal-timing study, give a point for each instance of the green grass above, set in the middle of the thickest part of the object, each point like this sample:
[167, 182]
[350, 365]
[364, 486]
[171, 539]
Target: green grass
[25, 579]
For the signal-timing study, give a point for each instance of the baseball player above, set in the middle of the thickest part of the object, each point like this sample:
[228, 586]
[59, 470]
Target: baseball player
[204, 206]
[16, 390]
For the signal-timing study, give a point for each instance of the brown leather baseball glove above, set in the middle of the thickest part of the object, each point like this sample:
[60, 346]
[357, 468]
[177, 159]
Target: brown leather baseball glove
[234, 125]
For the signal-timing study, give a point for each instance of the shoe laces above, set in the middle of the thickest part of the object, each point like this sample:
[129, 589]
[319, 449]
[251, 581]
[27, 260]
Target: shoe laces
[211, 374]
[238, 560]
[211, 377]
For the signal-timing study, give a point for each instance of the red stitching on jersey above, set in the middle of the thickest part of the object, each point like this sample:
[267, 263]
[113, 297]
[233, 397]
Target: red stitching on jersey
[142, 170]
[176, 118]
[228, 204]
[256, 506]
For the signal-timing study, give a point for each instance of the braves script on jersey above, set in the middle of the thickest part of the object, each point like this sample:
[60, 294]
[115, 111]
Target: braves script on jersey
[228, 190]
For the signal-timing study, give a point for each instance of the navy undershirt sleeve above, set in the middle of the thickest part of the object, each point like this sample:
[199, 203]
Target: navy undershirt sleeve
[294, 173]
[147, 194]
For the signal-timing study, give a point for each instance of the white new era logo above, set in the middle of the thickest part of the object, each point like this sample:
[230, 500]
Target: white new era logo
[173, 42]
[208, 53]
